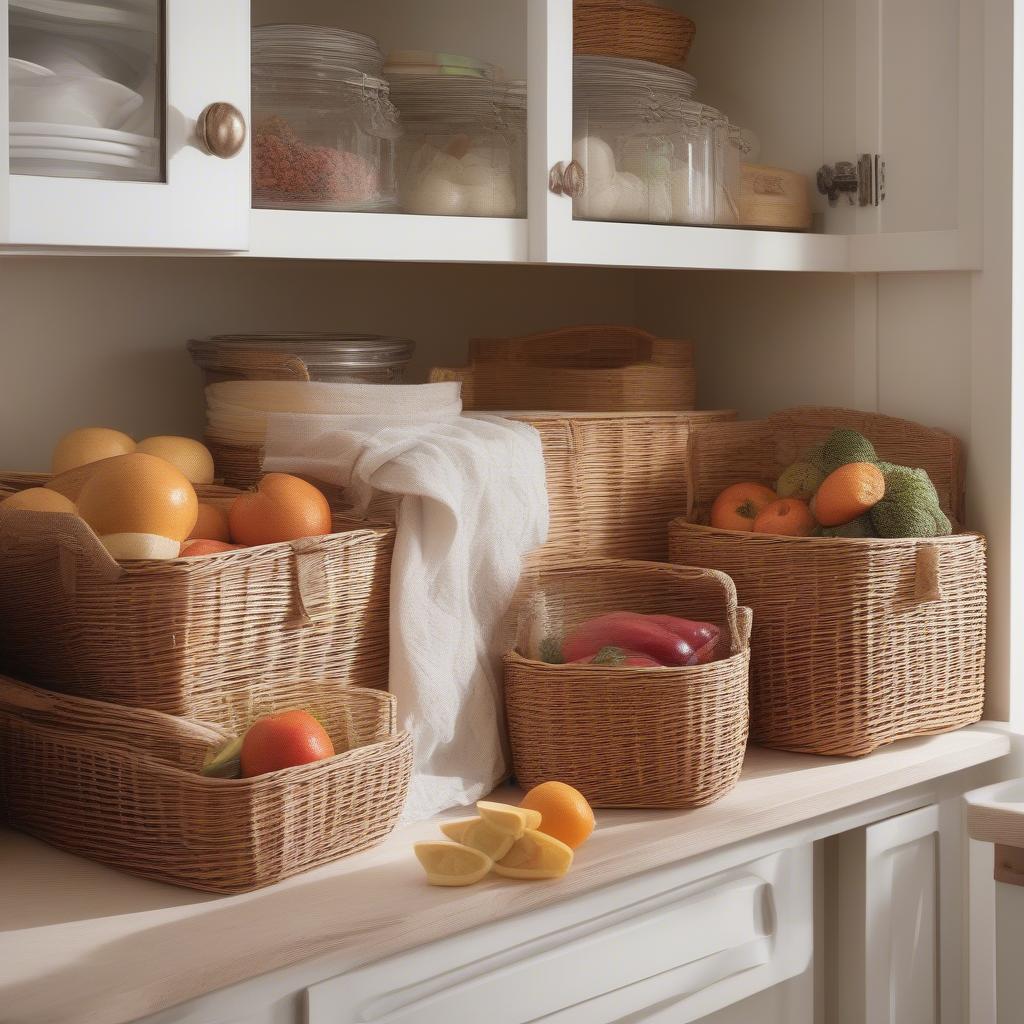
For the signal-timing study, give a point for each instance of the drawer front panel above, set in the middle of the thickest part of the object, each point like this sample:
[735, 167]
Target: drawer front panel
[598, 957]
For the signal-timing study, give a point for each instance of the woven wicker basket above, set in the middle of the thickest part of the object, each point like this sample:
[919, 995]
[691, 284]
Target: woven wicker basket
[615, 480]
[577, 369]
[667, 737]
[121, 786]
[204, 638]
[856, 643]
[632, 28]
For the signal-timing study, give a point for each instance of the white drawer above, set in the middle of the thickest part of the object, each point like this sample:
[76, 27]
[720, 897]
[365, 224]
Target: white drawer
[655, 946]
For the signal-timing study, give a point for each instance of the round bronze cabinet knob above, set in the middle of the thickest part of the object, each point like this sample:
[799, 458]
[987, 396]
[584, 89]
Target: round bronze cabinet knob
[221, 130]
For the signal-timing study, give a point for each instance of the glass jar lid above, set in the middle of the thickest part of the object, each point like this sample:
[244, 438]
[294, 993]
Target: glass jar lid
[331, 350]
[433, 101]
[312, 44]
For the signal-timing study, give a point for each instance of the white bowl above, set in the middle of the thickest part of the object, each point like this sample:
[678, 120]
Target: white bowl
[65, 99]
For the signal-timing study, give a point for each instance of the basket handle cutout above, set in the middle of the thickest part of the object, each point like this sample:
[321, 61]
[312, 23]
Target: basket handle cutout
[312, 586]
[927, 586]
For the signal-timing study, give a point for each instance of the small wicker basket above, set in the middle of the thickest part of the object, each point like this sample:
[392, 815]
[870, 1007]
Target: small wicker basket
[665, 737]
[577, 369]
[632, 28]
[122, 787]
[856, 643]
[204, 638]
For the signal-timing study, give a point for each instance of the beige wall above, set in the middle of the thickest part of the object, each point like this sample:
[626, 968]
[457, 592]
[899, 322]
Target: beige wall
[101, 340]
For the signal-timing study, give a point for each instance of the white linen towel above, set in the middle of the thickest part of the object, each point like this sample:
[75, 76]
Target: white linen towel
[474, 503]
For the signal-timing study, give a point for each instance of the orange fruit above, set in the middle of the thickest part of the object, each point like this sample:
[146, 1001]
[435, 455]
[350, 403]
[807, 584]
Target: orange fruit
[211, 524]
[565, 814]
[190, 456]
[283, 741]
[848, 493]
[139, 494]
[789, 517]
[738, 506]
[39, 499]
[196, 548]
[89, 444]
[282, 507]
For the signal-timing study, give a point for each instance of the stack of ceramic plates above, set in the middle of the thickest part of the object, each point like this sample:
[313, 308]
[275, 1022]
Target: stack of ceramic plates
[75, 151]
[423, 62]
[286, 45]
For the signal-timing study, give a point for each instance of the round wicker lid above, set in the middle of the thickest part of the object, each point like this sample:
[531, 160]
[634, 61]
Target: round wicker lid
[329, 349]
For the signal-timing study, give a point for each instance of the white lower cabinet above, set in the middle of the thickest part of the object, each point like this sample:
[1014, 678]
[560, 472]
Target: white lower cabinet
[659, 948]
[887, 941]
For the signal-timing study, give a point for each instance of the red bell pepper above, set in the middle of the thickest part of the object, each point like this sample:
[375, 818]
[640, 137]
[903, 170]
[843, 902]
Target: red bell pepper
[631, 632]
[703, 637]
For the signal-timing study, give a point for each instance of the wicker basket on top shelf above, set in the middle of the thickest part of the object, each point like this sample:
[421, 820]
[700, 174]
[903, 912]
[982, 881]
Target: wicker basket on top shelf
[634, 29]
[122, 786]
[654, 737]
[578, 369]
[205, 638]
[856, 642]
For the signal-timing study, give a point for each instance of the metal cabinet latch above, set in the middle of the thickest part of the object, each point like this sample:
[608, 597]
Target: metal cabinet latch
[863, 183]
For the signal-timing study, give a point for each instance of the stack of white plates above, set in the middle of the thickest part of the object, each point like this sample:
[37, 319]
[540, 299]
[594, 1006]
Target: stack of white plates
[75, 151]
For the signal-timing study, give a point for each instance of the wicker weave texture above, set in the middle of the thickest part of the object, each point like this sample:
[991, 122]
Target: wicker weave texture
[856, 643]
[577, 369]
[206, 638]
[670, 737]
[115, 792]
[634, 29]
[615, 481]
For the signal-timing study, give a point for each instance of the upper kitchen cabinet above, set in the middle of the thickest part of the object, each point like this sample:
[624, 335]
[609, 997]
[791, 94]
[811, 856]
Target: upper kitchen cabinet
[128, 124]
[879, 105]
[392, 130]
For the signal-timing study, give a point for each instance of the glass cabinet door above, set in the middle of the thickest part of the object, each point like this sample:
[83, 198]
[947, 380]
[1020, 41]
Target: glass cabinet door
[128, 123]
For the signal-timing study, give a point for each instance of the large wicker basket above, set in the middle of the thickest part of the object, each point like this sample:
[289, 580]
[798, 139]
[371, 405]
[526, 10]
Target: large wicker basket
[205, 638]
[856, 643]
[632, 28]
[121, 786]
[578, 369]
[665, 737]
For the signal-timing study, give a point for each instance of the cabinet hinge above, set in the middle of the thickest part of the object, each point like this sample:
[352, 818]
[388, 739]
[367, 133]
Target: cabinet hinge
[863, 182]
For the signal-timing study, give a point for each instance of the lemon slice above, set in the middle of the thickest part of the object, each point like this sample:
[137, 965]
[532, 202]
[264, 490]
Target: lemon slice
[452, 864]
[535, 855]
[479, 835]
[506, 818]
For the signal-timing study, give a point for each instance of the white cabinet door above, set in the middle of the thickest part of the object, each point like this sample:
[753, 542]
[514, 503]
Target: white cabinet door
[887, 925]
[904, 83]
[200, 201]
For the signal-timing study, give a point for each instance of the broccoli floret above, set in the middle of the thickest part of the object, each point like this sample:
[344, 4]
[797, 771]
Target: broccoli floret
[844, 447]
[861, 527]
[801, 480]
[910, 507]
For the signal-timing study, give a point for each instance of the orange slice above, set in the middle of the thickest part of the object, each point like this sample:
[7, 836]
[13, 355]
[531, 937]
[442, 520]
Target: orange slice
[506, 818]
[479, 835]
[535, 855]
[452, 864]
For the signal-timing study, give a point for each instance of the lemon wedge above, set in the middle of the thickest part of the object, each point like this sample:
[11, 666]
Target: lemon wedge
[535, 855]
[506, 818]
[451, 863]
[479, 835]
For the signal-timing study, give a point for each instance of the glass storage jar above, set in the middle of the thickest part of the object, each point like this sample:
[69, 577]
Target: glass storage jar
[324, 132]
[735, 150]
[461, 153]
[650, 154]
[331, 357]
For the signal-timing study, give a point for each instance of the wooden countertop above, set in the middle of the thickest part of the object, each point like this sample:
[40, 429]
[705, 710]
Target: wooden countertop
[84, 944]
